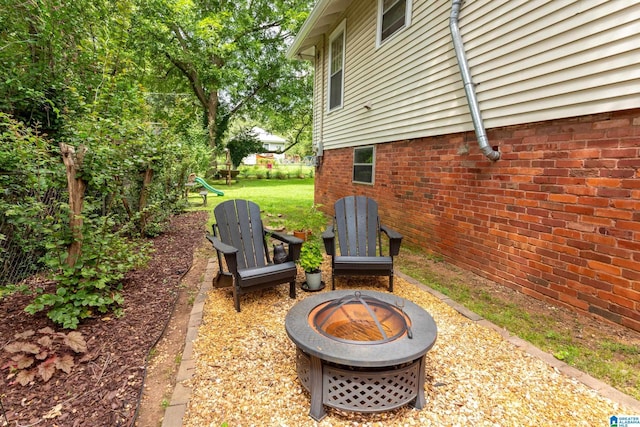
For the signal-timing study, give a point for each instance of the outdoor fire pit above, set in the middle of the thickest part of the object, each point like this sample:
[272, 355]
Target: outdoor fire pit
[360, 351]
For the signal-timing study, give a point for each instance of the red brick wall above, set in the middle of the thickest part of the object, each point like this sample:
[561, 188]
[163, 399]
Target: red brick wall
[558, 217]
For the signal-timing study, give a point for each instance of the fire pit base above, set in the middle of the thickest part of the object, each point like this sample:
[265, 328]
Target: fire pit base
[352, 374]
[362, 389]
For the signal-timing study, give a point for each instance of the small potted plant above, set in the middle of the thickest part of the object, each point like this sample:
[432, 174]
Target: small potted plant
[310, 260]
[310, 222]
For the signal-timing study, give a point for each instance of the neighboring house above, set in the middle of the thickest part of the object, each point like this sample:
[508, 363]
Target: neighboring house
[552, 88]
[273, 147]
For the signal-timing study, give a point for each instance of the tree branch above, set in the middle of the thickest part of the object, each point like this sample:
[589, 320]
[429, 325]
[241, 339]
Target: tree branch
[258, 29]
[298, 133]
[253, 93]
[193, 78]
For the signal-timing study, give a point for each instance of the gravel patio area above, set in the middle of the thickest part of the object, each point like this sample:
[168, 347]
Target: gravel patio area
[245, 371]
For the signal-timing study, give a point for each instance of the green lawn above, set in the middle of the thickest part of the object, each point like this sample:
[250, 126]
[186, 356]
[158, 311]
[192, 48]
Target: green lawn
[283, 202]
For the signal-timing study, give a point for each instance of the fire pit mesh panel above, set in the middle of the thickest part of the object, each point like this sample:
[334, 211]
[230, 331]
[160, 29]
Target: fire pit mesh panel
[370, 392]
[366, 391]
[303, 369]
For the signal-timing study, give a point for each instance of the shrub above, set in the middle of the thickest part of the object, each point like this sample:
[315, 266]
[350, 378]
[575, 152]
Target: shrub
[93, 282]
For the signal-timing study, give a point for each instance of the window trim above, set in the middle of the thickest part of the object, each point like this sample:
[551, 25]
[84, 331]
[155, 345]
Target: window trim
[373, 165]
[407, 22]
[340, 29]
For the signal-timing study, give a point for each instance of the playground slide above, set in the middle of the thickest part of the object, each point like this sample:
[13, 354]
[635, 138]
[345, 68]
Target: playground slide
[208, 187]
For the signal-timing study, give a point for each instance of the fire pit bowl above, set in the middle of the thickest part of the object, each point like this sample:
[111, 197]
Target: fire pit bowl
[360, 351]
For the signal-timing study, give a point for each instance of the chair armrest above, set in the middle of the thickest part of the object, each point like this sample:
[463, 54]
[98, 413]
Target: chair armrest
[328, 237]
[294, 243]
[285, 238]
[222, 247]
[229, 252]
[395, 239]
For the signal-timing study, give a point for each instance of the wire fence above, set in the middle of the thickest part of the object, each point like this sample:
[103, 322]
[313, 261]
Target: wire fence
[20, 248]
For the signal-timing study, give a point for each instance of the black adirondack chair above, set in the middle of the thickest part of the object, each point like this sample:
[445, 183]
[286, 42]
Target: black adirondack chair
[238, 234]
[358, 247]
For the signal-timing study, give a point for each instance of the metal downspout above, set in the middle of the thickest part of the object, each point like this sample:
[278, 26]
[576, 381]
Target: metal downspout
[474, 108]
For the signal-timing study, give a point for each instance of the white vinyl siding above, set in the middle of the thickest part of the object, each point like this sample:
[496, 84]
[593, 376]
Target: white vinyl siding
[530, 60]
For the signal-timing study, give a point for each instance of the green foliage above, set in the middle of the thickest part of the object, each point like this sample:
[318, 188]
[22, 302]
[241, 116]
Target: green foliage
[311, 256]
[30, 178]
[11, 289]
[229, 55]
[309, 219]
[116, 78]
[243, 144]
[39, 225]
[286, 171]
[92, 285]
[55, 48]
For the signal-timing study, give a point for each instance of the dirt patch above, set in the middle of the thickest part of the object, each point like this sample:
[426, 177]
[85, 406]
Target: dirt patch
[104, 389]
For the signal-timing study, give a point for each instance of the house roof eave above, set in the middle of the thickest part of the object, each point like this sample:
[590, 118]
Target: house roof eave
[319, 22]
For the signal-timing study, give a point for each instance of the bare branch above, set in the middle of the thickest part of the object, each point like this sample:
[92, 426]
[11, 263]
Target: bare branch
[296, 140]
[192, 75]
[243, 101]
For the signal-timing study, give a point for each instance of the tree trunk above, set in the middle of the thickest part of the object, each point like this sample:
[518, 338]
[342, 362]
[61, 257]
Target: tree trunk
[76, 187]
[144, 195]
[212, 112]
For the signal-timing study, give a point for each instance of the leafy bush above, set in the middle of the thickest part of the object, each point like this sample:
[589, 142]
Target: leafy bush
[40, 226]
[243, 144]
[92, 284]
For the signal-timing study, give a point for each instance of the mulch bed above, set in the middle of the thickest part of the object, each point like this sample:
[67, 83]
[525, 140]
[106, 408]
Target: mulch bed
[105, 387]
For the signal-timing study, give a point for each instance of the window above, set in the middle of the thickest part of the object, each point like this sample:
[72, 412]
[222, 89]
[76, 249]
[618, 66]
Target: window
[363, 164]
[393, 15]
[336, 67]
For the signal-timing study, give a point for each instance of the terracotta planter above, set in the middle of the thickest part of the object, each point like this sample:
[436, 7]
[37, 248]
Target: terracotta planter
[301, 235]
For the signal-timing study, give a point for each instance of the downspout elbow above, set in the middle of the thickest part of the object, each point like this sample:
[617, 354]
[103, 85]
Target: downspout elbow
[488, 151]
[465, 73]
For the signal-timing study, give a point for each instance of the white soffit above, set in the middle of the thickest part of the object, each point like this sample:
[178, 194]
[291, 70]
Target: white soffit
[321, 20]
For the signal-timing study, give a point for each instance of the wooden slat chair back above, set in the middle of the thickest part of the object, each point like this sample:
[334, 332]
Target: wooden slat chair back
[357, 250]
[239, 236]
[238, 224]
[357, 225]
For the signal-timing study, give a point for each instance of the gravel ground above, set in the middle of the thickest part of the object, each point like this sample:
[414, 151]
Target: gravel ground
[245, 372]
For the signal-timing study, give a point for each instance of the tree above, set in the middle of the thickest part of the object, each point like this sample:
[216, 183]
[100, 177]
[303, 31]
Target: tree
[292, 115]
[230, 54]
[55, 55]
[69, 67]
[241, 145]
[127, 124]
